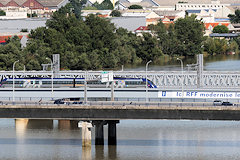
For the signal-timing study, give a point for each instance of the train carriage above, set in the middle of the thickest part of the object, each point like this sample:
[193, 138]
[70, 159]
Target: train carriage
[74, 83]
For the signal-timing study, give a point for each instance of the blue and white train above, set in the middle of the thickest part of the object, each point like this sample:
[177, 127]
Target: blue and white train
[74, 83]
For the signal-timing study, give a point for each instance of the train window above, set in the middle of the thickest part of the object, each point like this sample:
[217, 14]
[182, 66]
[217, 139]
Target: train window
[37, 82]
[9, 82]
[46, 82]
[79, 82]
[18, 82]
[31, 82]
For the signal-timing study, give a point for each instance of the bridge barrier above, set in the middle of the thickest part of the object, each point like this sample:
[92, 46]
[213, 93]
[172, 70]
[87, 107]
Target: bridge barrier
[117, 104]
[93, 99]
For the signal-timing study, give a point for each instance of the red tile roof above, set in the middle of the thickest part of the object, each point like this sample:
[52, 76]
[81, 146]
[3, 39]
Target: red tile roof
[207, 25]
[142, 28]
[4, 38]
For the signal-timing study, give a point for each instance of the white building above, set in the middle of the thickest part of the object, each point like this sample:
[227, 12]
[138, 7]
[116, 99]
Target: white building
[215, 4]
[14, 13]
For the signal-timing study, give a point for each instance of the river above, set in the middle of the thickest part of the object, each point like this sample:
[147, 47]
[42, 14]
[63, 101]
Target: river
[211, 63]
[136, 139]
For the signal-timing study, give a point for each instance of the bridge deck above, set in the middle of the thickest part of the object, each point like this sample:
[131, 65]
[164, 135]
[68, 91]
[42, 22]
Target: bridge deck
[118, 112]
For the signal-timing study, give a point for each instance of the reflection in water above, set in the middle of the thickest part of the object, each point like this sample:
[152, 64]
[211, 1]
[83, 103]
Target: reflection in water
[217, 63]
[99, 152]
[112, 152]
[21, 126]
[67, 124]
[139, 139]
[38, 124]
[86, 153]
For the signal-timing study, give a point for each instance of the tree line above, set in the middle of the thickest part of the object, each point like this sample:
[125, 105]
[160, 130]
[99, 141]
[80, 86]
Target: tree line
[95, 43]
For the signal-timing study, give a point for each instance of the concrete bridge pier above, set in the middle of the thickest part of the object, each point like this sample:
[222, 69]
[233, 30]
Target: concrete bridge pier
[86, 134]
[99, 134]
[112, 132]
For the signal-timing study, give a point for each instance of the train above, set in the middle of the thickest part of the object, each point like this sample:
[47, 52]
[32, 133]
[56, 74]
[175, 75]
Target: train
[119, 82]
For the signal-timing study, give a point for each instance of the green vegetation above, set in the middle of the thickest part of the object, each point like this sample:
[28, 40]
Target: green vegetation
[11, 52]
[24, 30]
[89, 8]
[77, 7]
[32, 15]
[134, 6]
[2, 13]
[220, 29]
[105, 5]
[116, 13]
[183, 38]
[215, 46]
[235, 18]
[94, 43]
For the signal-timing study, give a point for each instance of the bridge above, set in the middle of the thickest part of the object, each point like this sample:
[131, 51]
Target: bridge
[172, 79]
[99, 114]
[190, 79]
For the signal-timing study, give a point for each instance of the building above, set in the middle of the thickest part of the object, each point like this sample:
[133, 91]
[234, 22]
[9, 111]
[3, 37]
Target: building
[100, 13]
[14, 13]
[215, 4]
[5, 36]
[224, 35]
[129, 23]
[151, 17]
[34, 4]
[170, 15]
[209, 26]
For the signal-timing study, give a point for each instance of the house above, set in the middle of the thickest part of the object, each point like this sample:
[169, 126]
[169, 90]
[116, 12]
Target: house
[100, 13]
[34, 4]
[142, 29]
[215, 4]
[5, 36]
[124, 4]
[170, 15]
[14, 13]
[224, 35]
[209, 26]
[129, 23]
[151, 17]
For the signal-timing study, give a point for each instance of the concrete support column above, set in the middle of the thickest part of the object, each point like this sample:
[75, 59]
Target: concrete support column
[99, 134]
[64, 124]
[112, 132]
[86, 133]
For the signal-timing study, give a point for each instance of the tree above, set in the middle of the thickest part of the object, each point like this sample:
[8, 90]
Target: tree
[77, 6]
[134, 6]
[116, 13]
[189, 32]
[89, 8]
[220, 29]
[160, 31]
[106, 4]
[210, 46]
[149, 48]
[9, 53]
[2, 13]
[235, 18]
